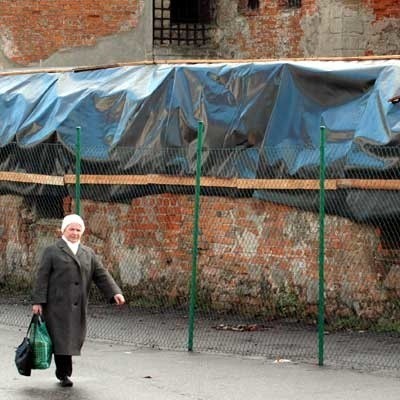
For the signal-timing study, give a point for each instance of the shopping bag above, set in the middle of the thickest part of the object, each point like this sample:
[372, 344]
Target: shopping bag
[23, 354]
[23, 357]
[42, 347]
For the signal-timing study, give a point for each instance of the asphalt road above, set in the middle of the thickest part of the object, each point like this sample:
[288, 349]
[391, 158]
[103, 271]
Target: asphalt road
[124, 372]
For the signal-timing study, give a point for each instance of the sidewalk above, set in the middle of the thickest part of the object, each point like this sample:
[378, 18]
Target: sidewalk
[122, 372]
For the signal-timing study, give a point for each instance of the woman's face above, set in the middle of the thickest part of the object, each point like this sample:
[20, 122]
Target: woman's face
[73, 232]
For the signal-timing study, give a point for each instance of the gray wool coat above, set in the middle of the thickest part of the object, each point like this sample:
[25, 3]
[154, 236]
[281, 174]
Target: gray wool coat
[62, 287]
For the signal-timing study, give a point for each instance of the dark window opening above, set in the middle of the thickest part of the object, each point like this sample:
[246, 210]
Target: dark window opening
[294, 3]
[253, 4]
[197, 11]
[181, 22]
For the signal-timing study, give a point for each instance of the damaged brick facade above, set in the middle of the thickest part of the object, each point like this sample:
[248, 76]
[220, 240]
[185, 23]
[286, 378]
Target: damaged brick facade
[318, 28]
[87, 32]
[262, 259]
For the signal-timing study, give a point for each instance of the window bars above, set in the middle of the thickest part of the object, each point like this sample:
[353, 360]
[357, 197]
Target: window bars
[294, 3]
[180, 23]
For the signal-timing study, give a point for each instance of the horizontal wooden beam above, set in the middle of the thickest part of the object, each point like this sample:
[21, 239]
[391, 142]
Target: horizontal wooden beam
[235, 183]
[205, 181]
[375, 184]
[21, 177]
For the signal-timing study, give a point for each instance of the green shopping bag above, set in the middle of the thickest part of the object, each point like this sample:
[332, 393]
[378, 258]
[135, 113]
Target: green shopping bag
[42, 346]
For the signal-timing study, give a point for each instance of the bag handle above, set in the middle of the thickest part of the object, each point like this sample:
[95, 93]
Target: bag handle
[34, 316]
[36, 319]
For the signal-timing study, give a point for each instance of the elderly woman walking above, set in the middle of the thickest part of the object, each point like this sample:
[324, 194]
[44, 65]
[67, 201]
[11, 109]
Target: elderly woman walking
[66, 272]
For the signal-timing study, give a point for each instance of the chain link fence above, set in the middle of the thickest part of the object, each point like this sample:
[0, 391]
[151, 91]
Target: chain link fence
[254, 249]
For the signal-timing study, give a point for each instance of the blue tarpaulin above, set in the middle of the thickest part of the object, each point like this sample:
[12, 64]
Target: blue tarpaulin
[271, 110]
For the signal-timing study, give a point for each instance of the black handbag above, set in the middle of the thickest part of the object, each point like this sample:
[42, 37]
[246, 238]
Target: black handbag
[24, 354]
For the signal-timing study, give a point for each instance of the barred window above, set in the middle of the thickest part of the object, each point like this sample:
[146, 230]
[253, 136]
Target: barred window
[181, 22]
[294, 3]
[195, 11]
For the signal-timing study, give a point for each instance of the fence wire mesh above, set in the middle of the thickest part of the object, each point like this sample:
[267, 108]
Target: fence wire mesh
[257, 262]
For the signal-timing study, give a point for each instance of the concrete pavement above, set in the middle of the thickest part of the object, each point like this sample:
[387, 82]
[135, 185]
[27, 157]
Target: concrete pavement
[123, 372]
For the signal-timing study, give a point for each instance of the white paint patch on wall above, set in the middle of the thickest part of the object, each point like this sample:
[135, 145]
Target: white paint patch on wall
[134, 264]
[7, 43]
[246, 240]
[16, 260]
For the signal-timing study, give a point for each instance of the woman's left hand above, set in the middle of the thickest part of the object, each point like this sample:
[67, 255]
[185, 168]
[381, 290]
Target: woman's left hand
[119, 299]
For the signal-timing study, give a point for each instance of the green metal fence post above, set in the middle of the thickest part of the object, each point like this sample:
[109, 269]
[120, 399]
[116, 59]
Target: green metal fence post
[193, 284]
[321, 295]
[78, 171]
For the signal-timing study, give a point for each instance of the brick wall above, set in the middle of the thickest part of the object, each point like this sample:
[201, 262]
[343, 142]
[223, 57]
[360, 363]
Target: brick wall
[255, 257]
[31, 31]
[318, 28]
[72, 32]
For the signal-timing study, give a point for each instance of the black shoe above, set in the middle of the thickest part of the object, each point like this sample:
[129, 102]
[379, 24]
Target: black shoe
[66, 382]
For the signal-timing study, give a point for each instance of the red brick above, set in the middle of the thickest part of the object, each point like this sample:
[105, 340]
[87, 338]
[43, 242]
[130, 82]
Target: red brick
[40, 29]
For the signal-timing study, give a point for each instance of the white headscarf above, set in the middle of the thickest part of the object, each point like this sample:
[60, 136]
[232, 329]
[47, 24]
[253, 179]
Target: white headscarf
[72, 219]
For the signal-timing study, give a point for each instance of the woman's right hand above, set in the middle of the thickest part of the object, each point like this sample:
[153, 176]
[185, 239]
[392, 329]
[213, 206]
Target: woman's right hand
[37, 309]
